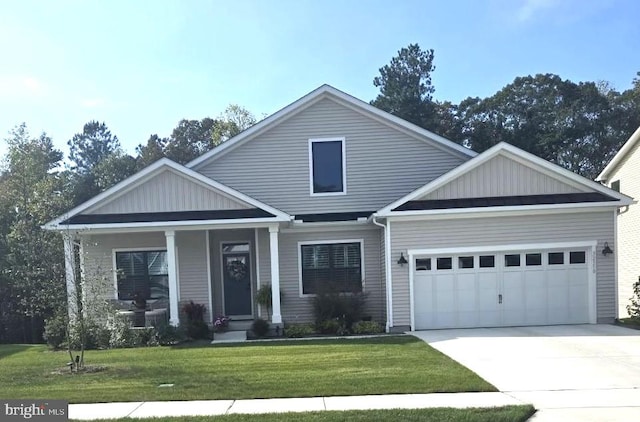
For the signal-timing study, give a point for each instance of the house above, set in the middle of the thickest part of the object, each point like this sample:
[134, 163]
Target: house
[622, 174]
[330, 191]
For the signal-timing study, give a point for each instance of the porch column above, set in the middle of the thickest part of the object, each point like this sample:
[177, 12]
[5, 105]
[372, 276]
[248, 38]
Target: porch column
[276, 318]
[70, 276]
[174, 317]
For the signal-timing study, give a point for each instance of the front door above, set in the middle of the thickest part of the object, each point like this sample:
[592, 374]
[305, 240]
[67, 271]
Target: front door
[236, 278]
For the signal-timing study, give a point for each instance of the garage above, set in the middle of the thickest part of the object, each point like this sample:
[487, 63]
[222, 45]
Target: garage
[502, 286]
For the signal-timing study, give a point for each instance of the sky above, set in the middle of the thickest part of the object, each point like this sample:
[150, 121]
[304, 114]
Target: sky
[141, 66]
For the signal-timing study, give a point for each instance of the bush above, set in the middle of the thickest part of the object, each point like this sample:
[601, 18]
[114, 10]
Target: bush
[634, 307]
[347, 308]
[198, 330]
[168, 335]
[330, 326]
[260, 327]
[55, 331]
[194, 311]
[367, 327]
[298, 330]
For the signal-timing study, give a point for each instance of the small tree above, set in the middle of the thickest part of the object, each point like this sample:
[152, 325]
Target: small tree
[634, 307]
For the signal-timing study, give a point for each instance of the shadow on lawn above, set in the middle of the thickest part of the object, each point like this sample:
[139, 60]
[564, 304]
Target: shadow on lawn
[386, 339]
[10, 349]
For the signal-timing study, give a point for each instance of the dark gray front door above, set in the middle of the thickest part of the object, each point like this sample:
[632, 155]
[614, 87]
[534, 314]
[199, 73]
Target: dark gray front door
[237, 283]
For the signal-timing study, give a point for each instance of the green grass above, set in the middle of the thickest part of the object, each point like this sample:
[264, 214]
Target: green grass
[495, 414]
[384, 365]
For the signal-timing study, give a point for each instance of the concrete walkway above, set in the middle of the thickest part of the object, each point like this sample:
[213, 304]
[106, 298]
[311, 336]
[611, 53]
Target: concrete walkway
[309, 404]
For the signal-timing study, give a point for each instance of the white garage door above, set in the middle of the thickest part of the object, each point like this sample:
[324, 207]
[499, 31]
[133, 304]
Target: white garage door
[512, 288]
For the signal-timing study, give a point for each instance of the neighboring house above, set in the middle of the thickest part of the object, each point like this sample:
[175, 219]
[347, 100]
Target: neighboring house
[331, 189]
[622, 174]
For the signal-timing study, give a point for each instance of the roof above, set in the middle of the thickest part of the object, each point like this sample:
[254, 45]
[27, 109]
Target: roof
[327, 91]
[147, 217]
[620, 155]
[504, 201]
[150, 171]
[333, 216]
[513, 152]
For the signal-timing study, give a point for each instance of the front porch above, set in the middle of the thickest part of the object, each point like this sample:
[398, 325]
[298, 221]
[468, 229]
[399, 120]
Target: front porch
[219, 266]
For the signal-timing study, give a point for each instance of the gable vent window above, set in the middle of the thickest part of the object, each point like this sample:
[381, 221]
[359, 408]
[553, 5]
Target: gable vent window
[327, 171]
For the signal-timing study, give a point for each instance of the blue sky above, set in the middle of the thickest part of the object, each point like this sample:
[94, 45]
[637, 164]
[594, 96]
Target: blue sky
[141, 66]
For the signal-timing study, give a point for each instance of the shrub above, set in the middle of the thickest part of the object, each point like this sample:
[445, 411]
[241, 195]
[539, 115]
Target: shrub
[168, 335]
[367, 327]
[260, 327]
[634, 307]
[194, 311]
[347, 308]
[197, 330]
[298, 330]
[330, 326]
[55, 331]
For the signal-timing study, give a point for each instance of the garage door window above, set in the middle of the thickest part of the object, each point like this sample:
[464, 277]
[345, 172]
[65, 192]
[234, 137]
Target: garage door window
[444, 263]
[577, 257]
[556, 258]
[487, 261]
[465, 262]
[423, 264]
[533, 259]
[512, 260]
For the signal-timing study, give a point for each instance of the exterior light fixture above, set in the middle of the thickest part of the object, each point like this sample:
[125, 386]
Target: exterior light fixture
[402, 260]
[606, 250]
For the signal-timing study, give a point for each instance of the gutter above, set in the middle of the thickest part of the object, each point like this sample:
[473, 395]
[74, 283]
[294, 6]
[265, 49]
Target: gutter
[387, 267]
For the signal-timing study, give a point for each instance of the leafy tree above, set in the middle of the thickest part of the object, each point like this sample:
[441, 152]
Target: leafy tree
[113, 169]
[405, 86]
[190, 139]
[151, 152]
[92, 145]
[231, 122]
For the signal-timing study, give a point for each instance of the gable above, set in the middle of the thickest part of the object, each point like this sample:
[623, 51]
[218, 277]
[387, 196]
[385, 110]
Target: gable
[167, 191]
[383, 162]
[501, 176]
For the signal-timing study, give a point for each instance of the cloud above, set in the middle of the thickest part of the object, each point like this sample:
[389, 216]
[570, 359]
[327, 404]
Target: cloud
[92, 102]
[32, 85]
[531, 8]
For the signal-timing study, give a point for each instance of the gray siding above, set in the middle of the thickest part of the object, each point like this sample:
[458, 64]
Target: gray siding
[383, 163]
[216, 238]
[500, 231]
[501, 176]
[192, 268]
[299, 309]
[168, 191]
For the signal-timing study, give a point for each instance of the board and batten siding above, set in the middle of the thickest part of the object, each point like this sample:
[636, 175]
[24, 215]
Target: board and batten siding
[627, 251]
[192, 269]
[501, 176]
[507, 230]
[296, 309]
[383, 163]
[168, 192]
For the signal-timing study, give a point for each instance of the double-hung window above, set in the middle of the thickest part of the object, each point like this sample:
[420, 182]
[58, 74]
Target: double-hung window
[327, 173]
[335, 267]
[144, 274]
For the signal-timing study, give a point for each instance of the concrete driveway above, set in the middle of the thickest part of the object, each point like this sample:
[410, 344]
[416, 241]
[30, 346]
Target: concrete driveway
[570, 372]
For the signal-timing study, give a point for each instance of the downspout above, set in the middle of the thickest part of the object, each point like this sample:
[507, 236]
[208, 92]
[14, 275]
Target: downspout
[387, 267]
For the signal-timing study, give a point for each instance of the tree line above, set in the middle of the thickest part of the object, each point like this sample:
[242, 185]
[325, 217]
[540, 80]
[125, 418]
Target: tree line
[576, 125]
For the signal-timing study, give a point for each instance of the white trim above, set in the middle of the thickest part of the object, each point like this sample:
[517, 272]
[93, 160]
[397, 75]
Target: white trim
[143, 175]
[209, 281]
[257, 242]
[615, 261]
[314, 96]
[343, 142]
[114, 265]
[328, 242]
[390, 281]
[300, 227]
[514, 153]
[174, 289]
[222, 254]
[152, 229]
[620, 155]
[274, 251]
[591, 247]
[167, 225]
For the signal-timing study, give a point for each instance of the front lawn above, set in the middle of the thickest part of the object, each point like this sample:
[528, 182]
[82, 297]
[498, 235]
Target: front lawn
[495, 414]
[384, 365]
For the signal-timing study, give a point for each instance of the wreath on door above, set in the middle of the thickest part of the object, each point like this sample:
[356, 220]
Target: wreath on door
[237, 270]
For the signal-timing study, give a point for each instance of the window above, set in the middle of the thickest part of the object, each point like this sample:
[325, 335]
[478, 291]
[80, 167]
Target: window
[512, 260]
[577, 257]
[487, 261]
[144, 273]
[327, 166]
[615, 185]
[533, 259]
[556, 258]
[423, 264]
[334, 266]
[465, 262]
[444, 263]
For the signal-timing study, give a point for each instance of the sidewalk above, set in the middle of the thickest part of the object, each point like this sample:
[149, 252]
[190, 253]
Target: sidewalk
[309, 404]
